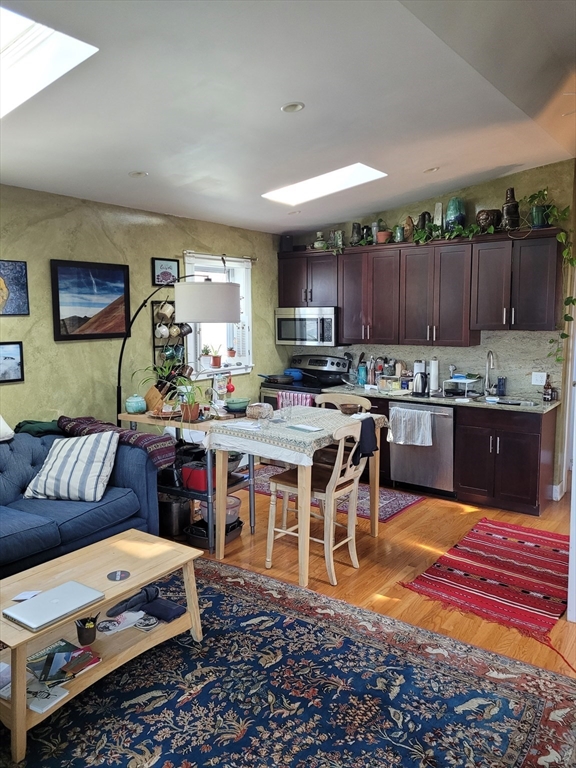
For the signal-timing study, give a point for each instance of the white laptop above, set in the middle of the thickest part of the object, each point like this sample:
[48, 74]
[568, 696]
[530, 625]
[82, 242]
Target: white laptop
[52, 605]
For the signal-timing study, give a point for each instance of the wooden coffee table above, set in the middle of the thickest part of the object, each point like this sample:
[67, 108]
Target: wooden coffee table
[147, 558]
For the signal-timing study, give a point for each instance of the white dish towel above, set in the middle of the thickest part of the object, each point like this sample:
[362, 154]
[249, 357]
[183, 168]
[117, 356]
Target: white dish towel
[410, 426]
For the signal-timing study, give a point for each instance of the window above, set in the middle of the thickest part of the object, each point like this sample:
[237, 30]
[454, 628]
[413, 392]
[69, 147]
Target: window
[223, 337]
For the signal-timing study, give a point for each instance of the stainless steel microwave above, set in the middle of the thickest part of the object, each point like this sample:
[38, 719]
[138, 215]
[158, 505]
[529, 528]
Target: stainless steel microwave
[306, 326]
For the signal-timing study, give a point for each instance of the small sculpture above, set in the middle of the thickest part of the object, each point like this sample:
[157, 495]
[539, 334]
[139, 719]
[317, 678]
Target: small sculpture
[438, 221]
[408, 229]
[489, 217]
[423, 219]
[356, 235]
[510, 211]
[367, 234]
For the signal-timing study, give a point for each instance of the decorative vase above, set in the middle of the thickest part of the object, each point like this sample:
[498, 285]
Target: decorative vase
[510, 211]
[135, 404]
[319, 242]
[375, 230]
[367, 234]
[424, 219]
[399, 234]
[190, 411]
[538, 216]
[383, 236]
[356, 235]
[339, 238]
[455, 213]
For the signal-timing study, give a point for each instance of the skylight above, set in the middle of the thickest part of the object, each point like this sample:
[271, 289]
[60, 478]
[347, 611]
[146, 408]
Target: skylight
[326, 184]
[31, 57]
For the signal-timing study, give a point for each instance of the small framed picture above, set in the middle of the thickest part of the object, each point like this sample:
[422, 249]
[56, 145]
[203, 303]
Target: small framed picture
[13, 288]
[165, 271]
[11, 362]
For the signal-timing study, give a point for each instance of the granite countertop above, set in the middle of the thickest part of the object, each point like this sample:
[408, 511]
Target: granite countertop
[539, 408]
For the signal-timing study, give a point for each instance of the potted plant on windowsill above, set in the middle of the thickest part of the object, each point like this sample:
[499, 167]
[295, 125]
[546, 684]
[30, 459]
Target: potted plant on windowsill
[216, 357]
[205, 356]
[231, 352]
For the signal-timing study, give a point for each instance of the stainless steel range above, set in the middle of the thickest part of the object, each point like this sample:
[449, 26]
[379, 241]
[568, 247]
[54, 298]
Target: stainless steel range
[318, 373]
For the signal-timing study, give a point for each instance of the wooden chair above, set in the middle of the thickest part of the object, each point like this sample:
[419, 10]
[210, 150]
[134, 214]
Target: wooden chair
[338, 399]
[328, 455]
[329, 485]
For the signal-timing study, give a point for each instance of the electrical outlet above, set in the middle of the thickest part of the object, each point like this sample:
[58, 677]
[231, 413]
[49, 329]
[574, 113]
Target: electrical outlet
[538, 378]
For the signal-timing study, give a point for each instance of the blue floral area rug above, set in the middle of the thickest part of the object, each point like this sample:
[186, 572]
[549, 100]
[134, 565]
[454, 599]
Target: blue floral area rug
[286, 677]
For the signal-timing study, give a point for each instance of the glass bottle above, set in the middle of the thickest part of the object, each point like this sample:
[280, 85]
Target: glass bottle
[362, 375]
[547, 392]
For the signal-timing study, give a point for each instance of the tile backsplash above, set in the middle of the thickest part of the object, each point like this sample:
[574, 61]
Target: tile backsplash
[516, 355]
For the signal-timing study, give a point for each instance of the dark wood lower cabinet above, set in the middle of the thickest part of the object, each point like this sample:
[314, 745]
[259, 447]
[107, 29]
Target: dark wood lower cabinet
[381, 406]
[504, 459]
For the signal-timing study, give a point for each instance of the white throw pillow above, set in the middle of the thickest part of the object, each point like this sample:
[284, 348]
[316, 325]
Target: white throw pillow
[6, 433]
[76, 468]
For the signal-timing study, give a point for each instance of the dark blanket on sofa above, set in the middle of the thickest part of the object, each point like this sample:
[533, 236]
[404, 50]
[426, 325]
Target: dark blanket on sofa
[160, 448]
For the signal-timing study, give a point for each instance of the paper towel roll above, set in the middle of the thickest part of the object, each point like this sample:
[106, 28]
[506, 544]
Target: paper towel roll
[433, 375]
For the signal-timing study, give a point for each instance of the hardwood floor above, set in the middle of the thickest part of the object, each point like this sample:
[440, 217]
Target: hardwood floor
[407, 545]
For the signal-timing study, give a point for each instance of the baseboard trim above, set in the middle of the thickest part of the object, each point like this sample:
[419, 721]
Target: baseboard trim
[558, 491]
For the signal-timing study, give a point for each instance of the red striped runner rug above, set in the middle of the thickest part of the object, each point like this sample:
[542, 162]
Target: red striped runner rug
[506, 573]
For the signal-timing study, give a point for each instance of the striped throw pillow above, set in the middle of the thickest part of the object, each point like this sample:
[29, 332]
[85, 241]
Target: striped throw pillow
[76, 468]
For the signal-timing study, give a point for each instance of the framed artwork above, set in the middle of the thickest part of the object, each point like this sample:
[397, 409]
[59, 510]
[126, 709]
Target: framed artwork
[89, 300]
[165, 271]
[11, 361]
[14, 288]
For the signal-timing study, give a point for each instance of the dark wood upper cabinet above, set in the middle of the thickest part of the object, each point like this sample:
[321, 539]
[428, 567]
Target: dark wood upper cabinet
[435, 296]
[307, 280]
[515, 284]
[368, 296]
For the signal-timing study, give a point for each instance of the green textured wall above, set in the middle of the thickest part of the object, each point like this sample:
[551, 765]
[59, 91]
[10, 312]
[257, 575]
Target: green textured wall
[78, 378]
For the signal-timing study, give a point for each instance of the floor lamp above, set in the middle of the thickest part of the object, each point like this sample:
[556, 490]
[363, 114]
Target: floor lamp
[203, 302]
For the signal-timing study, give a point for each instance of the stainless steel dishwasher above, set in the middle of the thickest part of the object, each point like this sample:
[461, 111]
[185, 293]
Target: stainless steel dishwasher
[431, 466]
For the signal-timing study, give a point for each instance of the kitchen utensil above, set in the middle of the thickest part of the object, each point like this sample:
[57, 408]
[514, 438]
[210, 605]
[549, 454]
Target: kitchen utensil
[161, 331]
[420, 384]
[296, 373]
[279, 379]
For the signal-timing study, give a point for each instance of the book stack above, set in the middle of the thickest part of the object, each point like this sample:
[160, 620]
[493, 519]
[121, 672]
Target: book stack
[47, 670]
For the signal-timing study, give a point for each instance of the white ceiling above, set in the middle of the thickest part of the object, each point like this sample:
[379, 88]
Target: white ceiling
[190, 92]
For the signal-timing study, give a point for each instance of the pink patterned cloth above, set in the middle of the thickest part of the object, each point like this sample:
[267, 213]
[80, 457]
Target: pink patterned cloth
[294, 398]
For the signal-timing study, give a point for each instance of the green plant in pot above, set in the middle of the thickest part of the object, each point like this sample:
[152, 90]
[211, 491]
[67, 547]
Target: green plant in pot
[188, 394]
[384, 234]
[543, 210]
[216, 357]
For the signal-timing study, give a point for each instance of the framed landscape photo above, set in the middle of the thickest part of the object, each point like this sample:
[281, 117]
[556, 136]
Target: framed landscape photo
[11, 361]
[13, 288]
[89, 300]
[165, 271]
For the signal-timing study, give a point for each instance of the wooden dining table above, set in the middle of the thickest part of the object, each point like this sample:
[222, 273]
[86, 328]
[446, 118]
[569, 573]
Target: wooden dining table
[294, 441]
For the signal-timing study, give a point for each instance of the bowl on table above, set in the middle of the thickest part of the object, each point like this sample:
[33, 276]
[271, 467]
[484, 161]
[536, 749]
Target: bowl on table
[237, 404]
[349, 408]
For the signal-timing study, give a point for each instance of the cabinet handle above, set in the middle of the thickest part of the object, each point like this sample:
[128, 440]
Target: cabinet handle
[433, 333]
[303, 294]
[310, 294]
[367, 331]
[362, 331]
[497, 445]
[491, 443]
[427, 333]
[512, 320]
[504, 316]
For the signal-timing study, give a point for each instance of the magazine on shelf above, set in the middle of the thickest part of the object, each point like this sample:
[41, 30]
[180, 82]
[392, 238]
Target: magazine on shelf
[39, 697]
[61, 662]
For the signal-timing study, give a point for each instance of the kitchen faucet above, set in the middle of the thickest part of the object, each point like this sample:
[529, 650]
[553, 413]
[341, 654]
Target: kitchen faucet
[489, 365]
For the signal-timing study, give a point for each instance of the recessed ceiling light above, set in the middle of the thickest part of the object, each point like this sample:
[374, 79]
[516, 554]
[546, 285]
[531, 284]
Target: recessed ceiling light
[32, 57]
[293, 213]
[138, 174]
[432, 170]
[326, 184]
[293, 106]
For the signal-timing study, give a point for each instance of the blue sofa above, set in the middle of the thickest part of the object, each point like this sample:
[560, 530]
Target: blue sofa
[33, 531]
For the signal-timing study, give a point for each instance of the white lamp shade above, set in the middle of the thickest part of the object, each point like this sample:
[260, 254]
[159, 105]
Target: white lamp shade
[207, 302]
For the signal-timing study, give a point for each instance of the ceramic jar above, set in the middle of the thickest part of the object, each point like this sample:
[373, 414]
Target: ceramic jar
[455, 213]
[135, 404]
[356, 235]
[319, 242]
[510, 211]
[399, 234]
